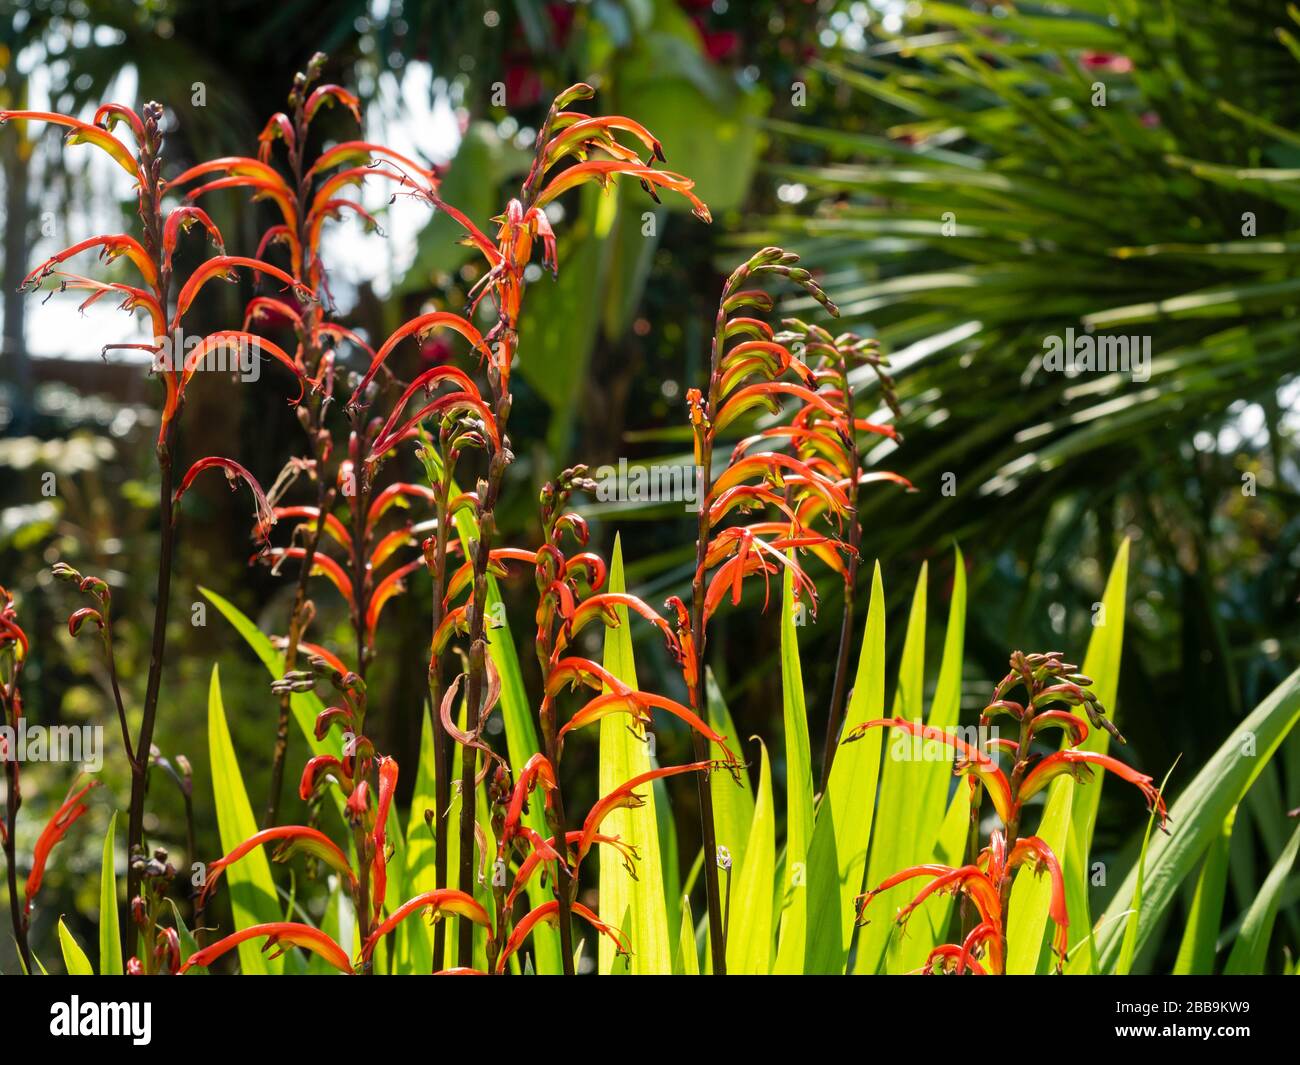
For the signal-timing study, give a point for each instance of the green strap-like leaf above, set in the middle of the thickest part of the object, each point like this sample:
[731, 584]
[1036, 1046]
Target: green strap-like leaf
[1197, 817]
[1200, 939]
[636, 904]
[792, 895]
[249, 883]
[110, 938]
[749, 913]
[74, 958]
[845, 815]
[1250, 952]
[894, 845]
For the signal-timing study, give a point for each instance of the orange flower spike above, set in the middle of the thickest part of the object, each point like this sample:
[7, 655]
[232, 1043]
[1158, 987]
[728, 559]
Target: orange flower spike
[322, 566]
[264, 516]
[55, 829]
[319, 768]
[537, 771]
[279, 935]
[1031, 848]
[361, 152]
[392, 585]
[226, 338]
[107, 116]
[329, 95]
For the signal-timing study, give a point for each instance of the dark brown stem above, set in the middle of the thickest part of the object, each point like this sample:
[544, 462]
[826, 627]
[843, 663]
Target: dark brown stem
[839, 693]
[15, 905]
[140, 764]
[708, 832]
[293, 639]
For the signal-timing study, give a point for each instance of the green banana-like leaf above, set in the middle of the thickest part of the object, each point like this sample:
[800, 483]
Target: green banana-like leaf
[637, 905]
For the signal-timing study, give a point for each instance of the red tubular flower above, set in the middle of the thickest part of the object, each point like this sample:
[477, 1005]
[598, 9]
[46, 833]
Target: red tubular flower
[264, 515]
[387, 785]
[625, 797]
[320, 767]
[79, 132]
[290, 840]
[539, 855]
[1079, 763]
[444, 900]
[279, 935]
[55, 829]
[420, 328]
[639, 704]
[550, 913]
[974, 761]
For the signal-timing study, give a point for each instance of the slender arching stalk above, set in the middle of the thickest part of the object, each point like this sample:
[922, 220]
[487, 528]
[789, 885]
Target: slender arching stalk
[151, 215]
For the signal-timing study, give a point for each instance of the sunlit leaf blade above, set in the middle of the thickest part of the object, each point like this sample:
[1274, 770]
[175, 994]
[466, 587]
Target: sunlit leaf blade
[733, 807]
[74, 958]
[838, 857]
[1200, 938]
[110, 938]
[248, 882]
[749, 922]
[792, 895]
[1250, 952]
[1128, 947]
[305, 705]
[636, 905]
[934, 778]
[893, 841]
[1196, 818]
[688, 958]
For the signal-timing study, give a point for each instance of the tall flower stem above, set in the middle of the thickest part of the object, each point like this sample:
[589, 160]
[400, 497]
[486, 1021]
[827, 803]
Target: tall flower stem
[13, 800]
[839, 691]
[314, 423]
[151, 216]
[704, 458]
[441, 753]
[509, 297]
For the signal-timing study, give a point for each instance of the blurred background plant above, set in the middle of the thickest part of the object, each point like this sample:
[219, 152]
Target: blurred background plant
[947, 169]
